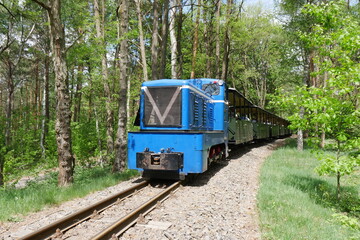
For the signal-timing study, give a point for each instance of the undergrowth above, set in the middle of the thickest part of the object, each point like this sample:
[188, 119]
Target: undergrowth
[15, 203]
[296, 203]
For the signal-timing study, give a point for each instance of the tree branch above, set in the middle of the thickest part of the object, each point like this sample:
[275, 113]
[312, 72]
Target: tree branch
[43, 5]
[6, 46]
[3, 5]
[77, 39]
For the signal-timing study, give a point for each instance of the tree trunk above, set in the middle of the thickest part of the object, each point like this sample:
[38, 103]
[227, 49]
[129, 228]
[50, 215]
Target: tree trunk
[142, 43]
[121, 141]
[208, 35]
[300, 134]
[37, 99]
[63, 113]
[100, 34]
[196, 39]
[338, 175]
[217, 47]
[173, 43]
[225, 63]
[179, 21]
[2, 160]
[45, 108]
[77, 97]
[98, 134]
[338, 194]
[164, 37]
[9, 103]
[155, 43]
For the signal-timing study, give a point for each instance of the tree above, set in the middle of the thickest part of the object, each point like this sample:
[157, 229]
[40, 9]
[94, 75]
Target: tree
[99, 13]
[164, 38]
[155, 42]
[196, 40]
[63, 113]
[16, 33]
[142, 43]
[173, 40]
[331, 107]
[121, 140]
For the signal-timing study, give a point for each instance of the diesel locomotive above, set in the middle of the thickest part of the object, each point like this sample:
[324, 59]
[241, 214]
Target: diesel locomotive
[185, 125]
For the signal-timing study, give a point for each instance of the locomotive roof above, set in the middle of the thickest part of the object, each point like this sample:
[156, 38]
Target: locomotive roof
[168, 82]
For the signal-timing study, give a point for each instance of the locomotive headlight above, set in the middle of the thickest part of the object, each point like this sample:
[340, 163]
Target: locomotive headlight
[221, 82]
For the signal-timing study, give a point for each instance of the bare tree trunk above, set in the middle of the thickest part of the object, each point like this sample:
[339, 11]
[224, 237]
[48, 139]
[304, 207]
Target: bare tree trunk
[9, 102]
[63, 112]
[173, 42]
[77, 97]
[179, 23]
[98, 134]
[208, 35]
[196, 39]
[37, 98]
[155, 43]
[217, 48]
[121, 141]
[164, 37]
[99, 12]
[142, 43]
[45, 107]
[306, 79]
[225, 63]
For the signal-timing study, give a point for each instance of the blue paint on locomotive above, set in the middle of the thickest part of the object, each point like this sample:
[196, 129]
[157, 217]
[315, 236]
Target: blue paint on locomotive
[194, 147]
[180, 122]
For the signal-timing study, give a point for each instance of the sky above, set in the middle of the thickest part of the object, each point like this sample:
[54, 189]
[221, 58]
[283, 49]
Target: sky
[266, 4]
[270, 4]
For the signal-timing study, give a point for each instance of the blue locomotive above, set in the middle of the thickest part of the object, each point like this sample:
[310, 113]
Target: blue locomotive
[187, 124]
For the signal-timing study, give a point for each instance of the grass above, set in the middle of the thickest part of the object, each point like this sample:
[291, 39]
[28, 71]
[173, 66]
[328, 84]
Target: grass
[295, 203]
[15, 203]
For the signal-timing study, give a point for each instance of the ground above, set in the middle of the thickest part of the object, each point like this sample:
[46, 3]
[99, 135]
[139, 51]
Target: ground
[220, 204]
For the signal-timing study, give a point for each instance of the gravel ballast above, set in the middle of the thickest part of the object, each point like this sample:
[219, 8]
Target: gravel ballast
[219, 204]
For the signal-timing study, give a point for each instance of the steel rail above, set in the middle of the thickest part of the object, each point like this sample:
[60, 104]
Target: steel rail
[129, 220]
[81, 215]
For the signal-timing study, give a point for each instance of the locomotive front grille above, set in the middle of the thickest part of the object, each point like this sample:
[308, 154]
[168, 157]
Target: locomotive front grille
[159, 161]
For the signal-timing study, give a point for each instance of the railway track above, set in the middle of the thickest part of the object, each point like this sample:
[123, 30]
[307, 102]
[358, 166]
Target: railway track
[126, 218]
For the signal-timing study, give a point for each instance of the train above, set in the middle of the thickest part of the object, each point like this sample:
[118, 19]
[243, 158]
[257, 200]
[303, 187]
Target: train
[186, 124]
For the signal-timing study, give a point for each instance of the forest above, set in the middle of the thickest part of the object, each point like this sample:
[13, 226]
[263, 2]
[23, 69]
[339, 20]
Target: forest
[70, 72]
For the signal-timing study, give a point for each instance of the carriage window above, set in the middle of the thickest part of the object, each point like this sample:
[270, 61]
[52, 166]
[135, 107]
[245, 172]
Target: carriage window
[211, 88]
[162, 106]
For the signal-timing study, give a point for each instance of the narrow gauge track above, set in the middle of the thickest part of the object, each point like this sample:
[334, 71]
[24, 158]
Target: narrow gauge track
[66, 224]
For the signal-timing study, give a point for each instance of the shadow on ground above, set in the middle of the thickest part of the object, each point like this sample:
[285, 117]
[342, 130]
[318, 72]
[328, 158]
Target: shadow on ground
[324, 194]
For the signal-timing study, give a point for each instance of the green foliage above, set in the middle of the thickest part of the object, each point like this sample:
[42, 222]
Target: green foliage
[295, 203]
[38, 194]
[260, 56]
[330, 105]
[331, 164]
[85, 143]
[347, 221]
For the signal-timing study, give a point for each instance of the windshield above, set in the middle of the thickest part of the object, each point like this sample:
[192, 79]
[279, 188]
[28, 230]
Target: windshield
[162, 106]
